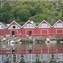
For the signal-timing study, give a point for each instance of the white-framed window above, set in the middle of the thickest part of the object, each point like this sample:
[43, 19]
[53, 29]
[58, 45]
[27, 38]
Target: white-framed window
[58, 25]
[14, 27]
[59, 31]
[44, 26]
[44, 31]
[29, 26]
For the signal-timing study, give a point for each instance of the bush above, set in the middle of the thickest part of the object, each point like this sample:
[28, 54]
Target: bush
[37, 61]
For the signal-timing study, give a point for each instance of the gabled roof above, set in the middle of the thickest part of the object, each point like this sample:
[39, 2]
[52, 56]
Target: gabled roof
[12, 23]
[29, 22]
[59, 21]
[44, 21]
[3, 24]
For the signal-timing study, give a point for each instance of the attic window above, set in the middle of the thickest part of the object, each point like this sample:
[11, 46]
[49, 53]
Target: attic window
[13, 26]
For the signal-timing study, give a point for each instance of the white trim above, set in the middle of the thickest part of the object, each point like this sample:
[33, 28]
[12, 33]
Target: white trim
[59, 29]
[44, 29]
[57, 22]
[25, 32]
[42, 23]
[30, 22]
[14, 22]
[17, 32]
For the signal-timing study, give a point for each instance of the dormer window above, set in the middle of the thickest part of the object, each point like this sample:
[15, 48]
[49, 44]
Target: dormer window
[13, 26]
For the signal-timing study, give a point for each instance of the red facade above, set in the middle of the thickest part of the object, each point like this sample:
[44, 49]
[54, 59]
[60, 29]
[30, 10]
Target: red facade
[30, 29]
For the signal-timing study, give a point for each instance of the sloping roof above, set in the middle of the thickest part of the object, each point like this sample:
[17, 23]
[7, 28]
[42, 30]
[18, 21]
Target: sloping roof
[59, 21]
[3, 24]
[44, 21]
[31, 22]
[12, 23]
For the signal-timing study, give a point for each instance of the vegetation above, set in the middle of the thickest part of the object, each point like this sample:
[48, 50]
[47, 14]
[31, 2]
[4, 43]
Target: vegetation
[52, 61]
[22, 59]
[37, 59]
[35, 10]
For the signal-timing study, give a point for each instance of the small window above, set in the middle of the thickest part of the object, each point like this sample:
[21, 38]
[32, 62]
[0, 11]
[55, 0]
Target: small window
[13, 26]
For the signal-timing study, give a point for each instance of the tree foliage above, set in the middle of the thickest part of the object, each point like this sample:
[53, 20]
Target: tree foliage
[37, 11]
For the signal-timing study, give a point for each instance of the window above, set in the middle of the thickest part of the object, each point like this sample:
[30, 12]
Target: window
[58, 25]
[13, 26]
[29, 26]
[44, 26]
[44, 31]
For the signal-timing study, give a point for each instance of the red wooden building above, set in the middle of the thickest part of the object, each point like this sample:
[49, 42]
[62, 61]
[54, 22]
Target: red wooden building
[58, 28]
[30, 29]
[44, 29]
[13, 29]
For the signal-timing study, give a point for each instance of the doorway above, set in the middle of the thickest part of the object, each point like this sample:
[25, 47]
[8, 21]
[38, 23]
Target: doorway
[29, 33]
[13, 33]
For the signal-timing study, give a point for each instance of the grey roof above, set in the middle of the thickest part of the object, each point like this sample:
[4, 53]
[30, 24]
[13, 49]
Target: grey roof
[3, 24]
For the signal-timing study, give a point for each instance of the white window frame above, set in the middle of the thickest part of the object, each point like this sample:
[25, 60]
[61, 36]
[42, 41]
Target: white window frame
[29, 26]
[27, 31]
[59, 29]
[44, 29]
[58, 26]
[42, 26]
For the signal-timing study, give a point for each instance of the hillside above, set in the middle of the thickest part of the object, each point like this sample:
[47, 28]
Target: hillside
[34, 10]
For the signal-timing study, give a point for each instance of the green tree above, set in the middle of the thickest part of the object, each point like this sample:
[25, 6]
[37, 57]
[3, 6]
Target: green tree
[5, 14]
[37, 11]
[39, 17]
[22, 14]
